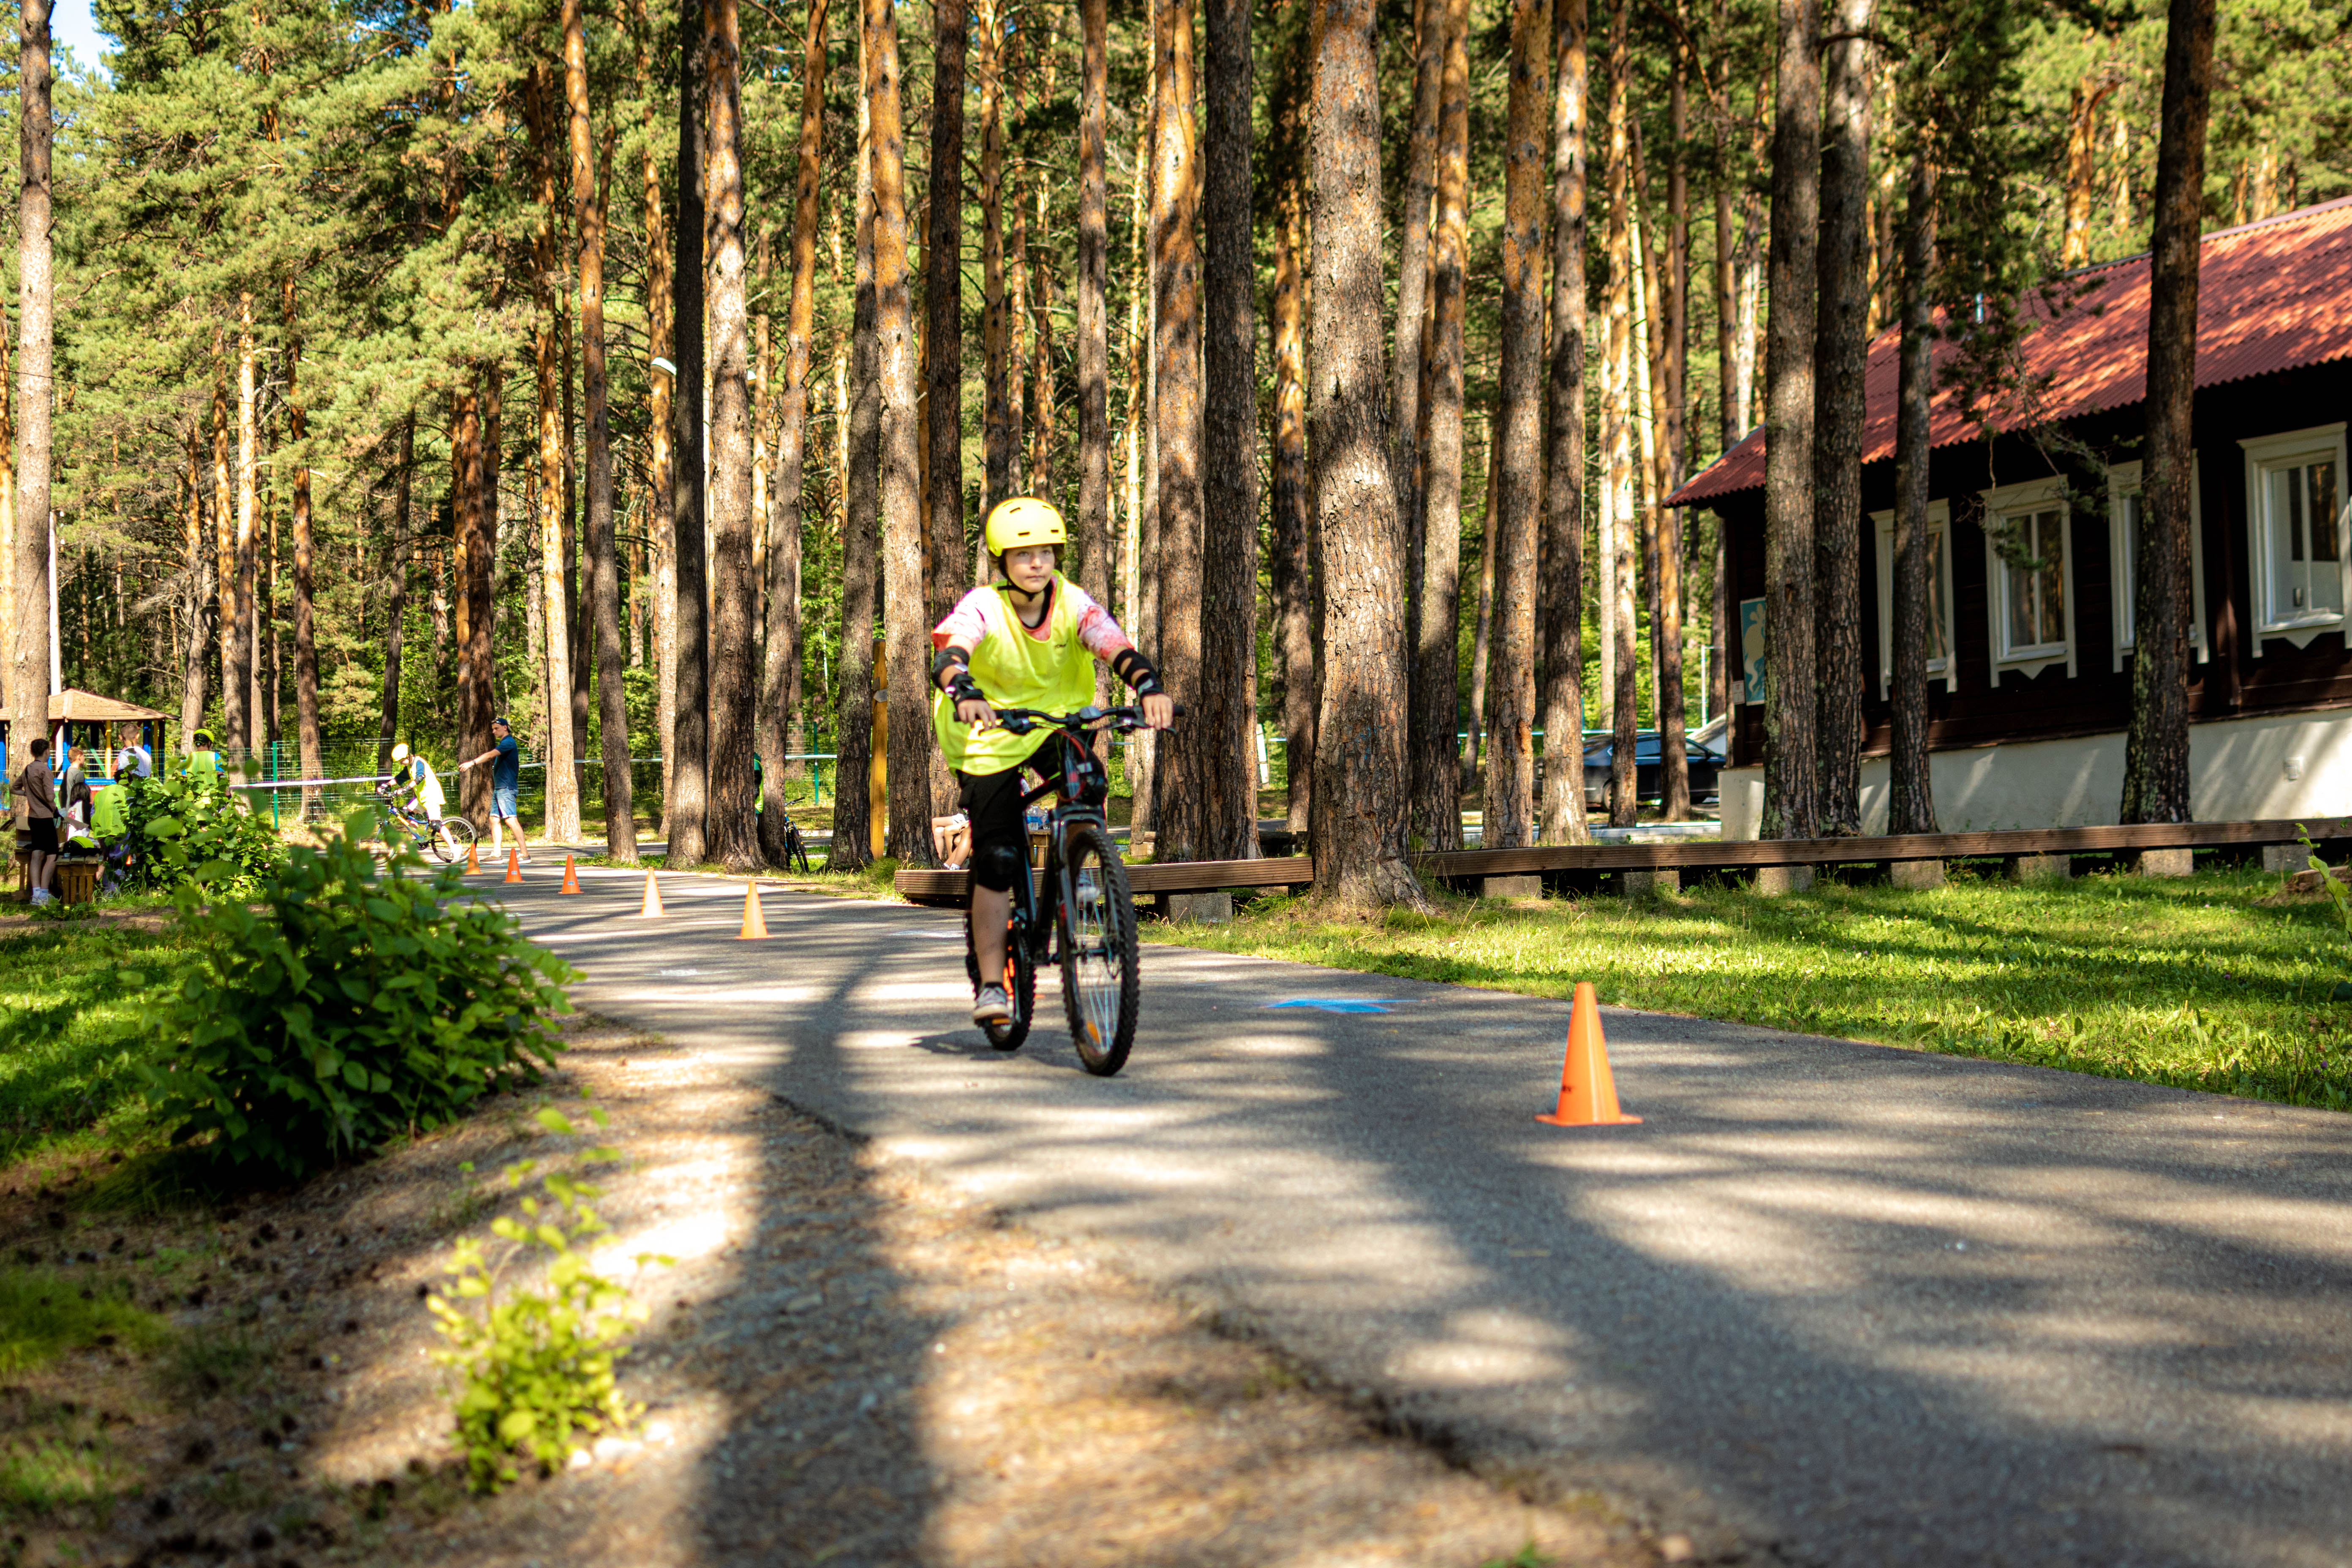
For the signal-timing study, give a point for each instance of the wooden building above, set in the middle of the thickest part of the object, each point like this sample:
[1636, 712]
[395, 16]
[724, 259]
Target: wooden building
[2034, 512]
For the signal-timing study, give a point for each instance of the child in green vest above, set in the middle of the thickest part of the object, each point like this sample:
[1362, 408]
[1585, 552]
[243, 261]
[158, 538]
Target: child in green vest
[1028, 641]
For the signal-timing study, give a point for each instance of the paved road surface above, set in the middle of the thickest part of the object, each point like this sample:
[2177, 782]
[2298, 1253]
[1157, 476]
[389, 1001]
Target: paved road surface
[1861, 1306]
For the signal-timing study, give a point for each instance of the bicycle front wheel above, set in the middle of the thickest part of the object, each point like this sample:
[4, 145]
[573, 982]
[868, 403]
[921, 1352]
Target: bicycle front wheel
[451, 836]
[1102, 980]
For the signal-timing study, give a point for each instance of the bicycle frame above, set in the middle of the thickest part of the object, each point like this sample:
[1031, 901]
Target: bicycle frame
[1084, 786]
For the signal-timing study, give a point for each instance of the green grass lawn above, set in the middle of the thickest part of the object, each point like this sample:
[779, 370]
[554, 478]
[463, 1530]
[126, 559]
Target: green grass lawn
[2197, 983]
[76, 1010]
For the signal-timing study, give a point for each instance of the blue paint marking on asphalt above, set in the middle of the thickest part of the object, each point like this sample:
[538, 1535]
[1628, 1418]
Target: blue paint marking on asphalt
[1333, 1004]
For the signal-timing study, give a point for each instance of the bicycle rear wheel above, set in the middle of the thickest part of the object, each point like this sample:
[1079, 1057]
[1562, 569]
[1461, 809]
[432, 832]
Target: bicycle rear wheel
[1102, 980]
[449, 837]
[1020, 985]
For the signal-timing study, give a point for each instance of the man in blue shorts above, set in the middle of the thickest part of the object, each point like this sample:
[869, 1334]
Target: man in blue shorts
[506, 779]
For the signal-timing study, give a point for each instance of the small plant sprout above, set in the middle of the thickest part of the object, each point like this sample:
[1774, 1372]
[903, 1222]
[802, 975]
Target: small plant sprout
[535, 1366]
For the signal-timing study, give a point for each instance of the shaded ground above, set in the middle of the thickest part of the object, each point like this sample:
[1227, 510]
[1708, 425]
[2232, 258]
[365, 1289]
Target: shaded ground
[849, 1363]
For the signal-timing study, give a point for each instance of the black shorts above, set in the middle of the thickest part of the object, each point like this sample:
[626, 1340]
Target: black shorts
[993, 801]
[41, 837]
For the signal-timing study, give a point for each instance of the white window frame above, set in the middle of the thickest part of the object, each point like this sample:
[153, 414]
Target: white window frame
[1939, 521]
[2001, 504]
[2263, 454]
[2124, 481]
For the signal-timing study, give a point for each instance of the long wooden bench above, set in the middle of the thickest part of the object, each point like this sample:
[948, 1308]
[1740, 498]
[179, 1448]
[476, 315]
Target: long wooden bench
[949, 888]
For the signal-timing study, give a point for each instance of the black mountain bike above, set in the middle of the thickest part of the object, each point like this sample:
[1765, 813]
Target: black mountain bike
[446, 837]
[1082, 900]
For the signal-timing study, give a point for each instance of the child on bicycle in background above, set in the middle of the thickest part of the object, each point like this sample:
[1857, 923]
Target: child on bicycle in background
[1027, 641]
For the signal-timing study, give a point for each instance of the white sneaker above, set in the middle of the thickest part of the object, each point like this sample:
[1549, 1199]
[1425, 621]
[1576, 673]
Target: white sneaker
[43, 896]
[992, 1006]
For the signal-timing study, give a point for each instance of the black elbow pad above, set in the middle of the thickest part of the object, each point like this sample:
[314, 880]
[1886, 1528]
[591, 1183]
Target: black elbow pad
[1137, 671]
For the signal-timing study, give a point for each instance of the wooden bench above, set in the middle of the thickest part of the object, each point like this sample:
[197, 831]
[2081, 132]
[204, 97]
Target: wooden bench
[2047, 845]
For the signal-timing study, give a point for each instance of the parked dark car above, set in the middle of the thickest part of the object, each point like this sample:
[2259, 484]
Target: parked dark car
[1649, 761]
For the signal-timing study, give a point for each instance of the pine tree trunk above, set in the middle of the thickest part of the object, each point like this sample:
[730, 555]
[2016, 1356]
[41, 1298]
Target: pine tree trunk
[28, 684]
[590, 202]
[1617, 439]
[943, 315]
[1911, 795]
[1671, 377]
[733, 832]
[228, 631]
[908, 628]
[1731, 410]
[1143, 748]
[1183, 759]
[2156, 747]
[2082, 188]
[853, 824]
[1509, 802]
[1290, 529]
[1562, 603]
[1224, 727]
[781, 708]
[247, 454]
[1482, 631]
[396, 603]
[995, 328]
[1406, 372]
[1041, 358]
[562, 779]
[660, 416]
[1436, 691]
[1839, 354]
[306, 640]
[686, 803]
[1016, 348]
[197, 600]
[1363, 778]
[1093, 308]
[471, 589]
[1791, 780]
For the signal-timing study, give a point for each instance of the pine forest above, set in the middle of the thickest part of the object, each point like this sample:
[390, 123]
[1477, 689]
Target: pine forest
[644, 375]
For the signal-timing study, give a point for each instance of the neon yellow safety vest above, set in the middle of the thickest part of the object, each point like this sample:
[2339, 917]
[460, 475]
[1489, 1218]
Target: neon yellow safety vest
[106, 811]
[1018, 668]
[205, 764]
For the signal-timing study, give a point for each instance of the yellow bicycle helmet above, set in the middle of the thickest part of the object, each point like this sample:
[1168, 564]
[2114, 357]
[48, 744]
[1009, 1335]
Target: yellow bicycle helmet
[1023, 522]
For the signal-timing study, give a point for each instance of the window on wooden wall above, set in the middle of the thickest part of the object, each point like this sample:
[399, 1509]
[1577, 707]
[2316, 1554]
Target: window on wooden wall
[2126, 507]
[1939, 596]
[2029, 577]
[2295, 520]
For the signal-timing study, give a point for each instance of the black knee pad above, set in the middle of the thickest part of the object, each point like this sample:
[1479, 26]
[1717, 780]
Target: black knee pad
[996, 866]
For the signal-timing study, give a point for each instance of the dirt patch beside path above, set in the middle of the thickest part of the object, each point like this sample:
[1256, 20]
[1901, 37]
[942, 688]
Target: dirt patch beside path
[848, 1364]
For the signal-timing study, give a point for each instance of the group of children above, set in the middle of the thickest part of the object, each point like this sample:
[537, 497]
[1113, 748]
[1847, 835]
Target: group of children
[73, 811]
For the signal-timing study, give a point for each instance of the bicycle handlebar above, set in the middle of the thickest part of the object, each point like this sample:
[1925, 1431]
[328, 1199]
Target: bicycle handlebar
[1021, 720]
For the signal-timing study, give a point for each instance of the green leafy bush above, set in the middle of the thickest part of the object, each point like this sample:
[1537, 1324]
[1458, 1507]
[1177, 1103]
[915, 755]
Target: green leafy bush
[349, 1007]
[535, 1366]
[195, 829]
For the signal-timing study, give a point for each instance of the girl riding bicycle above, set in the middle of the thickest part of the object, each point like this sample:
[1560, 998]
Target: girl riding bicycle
[1028, 641]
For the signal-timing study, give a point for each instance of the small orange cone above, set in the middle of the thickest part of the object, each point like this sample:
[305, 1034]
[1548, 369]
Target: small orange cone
[571, 877]
[653, 897]
[473, 859]
[755, 920]
[514, 867]
[1587, 1092]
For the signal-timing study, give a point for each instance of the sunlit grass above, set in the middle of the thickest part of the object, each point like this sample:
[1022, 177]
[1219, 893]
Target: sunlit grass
[77, 1004]
[42, 1313]
[2194, 982]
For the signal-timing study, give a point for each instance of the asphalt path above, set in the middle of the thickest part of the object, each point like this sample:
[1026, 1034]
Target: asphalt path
[1852, 1305]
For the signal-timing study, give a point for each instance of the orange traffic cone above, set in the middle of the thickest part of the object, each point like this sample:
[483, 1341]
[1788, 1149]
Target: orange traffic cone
[653, 897]
[755, 921]
[473, 859]
[571, 877]
[514, 867]
[1588, 1093]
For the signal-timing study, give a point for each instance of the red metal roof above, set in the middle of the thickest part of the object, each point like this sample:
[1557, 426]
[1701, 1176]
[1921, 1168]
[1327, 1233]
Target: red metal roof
[2271, 296]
